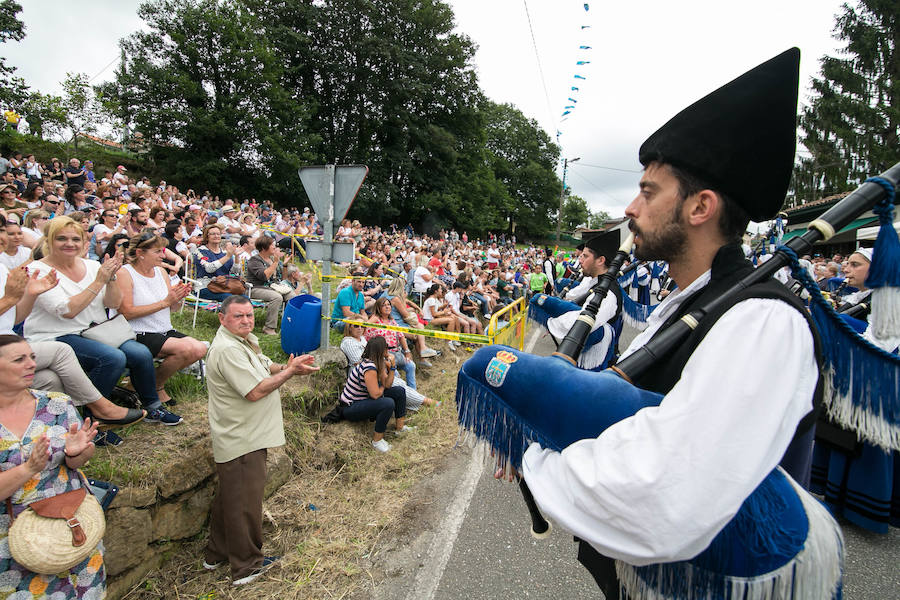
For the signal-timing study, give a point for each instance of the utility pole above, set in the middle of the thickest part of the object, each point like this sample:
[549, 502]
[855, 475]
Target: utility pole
[562, 194]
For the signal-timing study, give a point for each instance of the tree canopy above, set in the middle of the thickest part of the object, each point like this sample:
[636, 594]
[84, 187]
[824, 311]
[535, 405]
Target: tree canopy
[13, 90]
[851, 127]
[235, 95]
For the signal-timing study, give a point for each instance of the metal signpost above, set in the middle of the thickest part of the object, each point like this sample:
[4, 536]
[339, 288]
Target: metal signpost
[331, 190]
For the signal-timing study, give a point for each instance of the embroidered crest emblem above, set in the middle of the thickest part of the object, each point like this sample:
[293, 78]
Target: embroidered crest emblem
[495, 373]
[507, 357]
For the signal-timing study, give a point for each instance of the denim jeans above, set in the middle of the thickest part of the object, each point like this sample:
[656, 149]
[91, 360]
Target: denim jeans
[408, 367]
[104, 366]
[483, 301]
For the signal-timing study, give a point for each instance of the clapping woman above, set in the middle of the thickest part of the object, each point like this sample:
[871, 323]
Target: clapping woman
[81, 299]
[148, 296]
[42, 443]
[214, 259]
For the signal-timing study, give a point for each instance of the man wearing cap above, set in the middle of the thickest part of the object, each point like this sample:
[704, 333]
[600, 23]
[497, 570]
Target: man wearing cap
[119, 178]
[653, 493]
[229, 224]
[602, 344]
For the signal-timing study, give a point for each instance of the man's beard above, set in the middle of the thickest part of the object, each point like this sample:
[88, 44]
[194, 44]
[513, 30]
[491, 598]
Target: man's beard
[666, 244]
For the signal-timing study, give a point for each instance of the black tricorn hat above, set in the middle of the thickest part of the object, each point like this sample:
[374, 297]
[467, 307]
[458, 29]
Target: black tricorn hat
[740, 138]
[605, 244]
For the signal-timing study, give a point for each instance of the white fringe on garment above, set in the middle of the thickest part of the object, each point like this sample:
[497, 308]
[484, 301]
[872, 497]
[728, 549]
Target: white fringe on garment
[814, 574]
[867, 423]
[884, 316]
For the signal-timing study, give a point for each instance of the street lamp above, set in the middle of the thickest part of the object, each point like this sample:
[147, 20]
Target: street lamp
[562, 194]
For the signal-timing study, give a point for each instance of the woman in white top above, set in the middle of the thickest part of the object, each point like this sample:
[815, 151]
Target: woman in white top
[436, 311]
[33, 168]
[15, 254]
[79, 300]
[35, 223]
[147, 298]
[344, 232]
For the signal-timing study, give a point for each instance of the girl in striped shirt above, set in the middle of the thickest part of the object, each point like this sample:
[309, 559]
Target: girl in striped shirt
[368, 392]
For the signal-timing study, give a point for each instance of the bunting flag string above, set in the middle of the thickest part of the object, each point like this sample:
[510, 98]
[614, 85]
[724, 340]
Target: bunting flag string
[583, 60]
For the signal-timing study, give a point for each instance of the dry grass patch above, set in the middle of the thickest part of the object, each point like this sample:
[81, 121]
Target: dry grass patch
[344, 502]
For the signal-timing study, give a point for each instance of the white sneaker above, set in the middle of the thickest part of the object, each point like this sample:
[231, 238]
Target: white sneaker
[453, 345]
[381, 445]
[428, 353]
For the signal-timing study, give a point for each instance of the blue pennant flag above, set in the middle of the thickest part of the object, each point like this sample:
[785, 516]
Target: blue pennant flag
[574, 89]
[569, 106]
[586, 7]
[567, 112]
[583, 62]
[584, 47]
[579, 77]
[585, 26]
[573, 100]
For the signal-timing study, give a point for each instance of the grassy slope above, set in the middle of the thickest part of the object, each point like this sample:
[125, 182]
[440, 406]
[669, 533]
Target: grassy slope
[359, 496]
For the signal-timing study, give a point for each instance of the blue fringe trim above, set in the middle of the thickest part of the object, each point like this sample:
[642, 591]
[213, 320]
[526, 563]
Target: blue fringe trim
[860, 371]
[493, 421]
[551, 307]
[636, 314]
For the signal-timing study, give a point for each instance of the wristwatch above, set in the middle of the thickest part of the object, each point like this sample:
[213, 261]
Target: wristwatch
[113, 278]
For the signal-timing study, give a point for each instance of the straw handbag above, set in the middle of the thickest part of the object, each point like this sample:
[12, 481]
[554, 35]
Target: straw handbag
[55, 534]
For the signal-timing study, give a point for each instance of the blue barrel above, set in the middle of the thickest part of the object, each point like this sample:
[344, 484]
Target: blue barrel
[301, 324]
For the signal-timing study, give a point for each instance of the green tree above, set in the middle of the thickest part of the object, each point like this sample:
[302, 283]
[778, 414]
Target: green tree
[46, 115]
[598, 219]
[852, 125]
[80, 107]
[575, 212]
[13, 90]
[523, 158]
[201, 85]
[390, 85]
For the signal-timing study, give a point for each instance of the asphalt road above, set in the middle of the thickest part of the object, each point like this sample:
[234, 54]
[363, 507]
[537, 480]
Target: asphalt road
[480, 547]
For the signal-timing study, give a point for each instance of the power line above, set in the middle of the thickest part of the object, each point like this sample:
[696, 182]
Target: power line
[103, 69]
[608, 168]
[593, 185]
[540, 69]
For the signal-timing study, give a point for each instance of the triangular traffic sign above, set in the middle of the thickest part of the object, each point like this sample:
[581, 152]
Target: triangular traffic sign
[317, 183]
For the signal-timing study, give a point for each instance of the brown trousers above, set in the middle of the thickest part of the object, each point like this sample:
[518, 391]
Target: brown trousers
[235, 525]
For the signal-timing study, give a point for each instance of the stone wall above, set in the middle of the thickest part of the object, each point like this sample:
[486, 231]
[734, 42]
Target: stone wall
[144, 524]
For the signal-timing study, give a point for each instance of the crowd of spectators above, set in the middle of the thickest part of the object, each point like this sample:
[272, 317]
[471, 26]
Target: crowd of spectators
[96, 247]
[120, 245]
[80, 253]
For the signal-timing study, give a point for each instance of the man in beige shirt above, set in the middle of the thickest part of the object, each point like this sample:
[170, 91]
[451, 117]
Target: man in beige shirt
[244, 420]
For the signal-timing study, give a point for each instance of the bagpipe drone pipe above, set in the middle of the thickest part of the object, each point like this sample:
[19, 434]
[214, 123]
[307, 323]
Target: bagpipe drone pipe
[510, 399]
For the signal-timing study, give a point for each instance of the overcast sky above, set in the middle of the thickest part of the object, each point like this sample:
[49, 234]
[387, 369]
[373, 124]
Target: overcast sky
[648, 60]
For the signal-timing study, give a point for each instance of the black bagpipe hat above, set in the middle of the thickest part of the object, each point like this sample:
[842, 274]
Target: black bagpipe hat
[605, 244]
[740, 138]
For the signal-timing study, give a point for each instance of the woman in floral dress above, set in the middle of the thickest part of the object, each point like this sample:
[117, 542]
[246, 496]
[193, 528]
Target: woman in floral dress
[42, 443]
